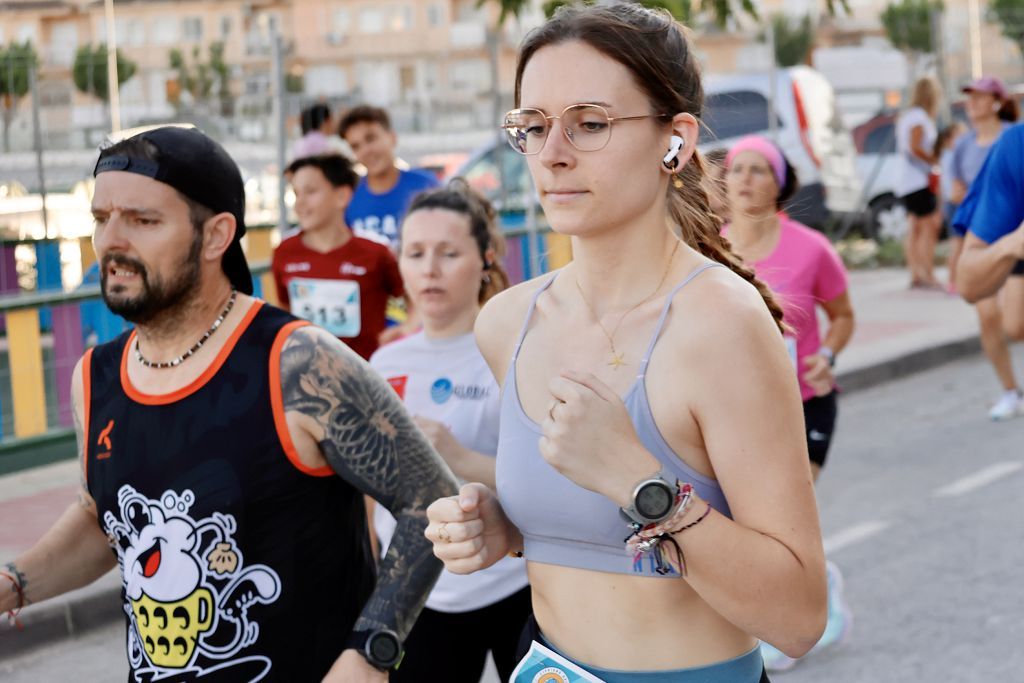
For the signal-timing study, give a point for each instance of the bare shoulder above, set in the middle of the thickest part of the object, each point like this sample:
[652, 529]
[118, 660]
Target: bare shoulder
[500, 321]
[719, 314]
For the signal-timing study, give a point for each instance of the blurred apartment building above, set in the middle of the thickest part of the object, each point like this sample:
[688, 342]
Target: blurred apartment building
[430, 62]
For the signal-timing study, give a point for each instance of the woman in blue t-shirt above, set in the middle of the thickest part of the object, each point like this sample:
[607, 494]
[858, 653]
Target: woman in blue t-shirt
[991, 111]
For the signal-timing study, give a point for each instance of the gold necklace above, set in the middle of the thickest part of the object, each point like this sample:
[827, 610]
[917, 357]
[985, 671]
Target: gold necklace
[618, 359]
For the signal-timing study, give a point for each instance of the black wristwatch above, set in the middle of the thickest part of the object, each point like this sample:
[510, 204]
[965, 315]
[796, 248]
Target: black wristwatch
[382, 648]
[654, 500]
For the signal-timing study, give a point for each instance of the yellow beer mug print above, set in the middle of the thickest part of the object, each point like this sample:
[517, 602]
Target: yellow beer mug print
[170, 630]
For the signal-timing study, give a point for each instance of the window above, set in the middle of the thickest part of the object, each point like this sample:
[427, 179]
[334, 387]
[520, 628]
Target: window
[371, 20]
[401, 18]
[435, 15]
[192, 29]
[165, 30]
[881, 140]
[325, 81]
[341, 21]
[470, 74]
[28, 33]
[732, 114]
[225, 26]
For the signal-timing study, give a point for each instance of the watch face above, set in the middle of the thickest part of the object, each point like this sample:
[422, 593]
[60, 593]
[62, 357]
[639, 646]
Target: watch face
[384, 649]
[654, 500]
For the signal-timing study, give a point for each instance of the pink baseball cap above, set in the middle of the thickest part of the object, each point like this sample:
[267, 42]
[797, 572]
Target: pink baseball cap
[988, 84]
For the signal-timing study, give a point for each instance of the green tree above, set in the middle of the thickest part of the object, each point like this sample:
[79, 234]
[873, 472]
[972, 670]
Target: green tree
[908, 25]
[201, 79]
[1010, 15]
[89, 70]
[793, 41]
[16, 61]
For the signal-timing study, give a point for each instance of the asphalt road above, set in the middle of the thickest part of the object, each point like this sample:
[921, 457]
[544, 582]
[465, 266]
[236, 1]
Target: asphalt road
[919, 506]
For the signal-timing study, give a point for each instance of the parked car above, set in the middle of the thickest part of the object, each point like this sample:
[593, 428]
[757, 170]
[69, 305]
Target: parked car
[878, 166]
[808, 128]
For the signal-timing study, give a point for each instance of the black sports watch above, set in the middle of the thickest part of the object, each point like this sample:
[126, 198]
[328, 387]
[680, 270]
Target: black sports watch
[654, 500]
[382, 648]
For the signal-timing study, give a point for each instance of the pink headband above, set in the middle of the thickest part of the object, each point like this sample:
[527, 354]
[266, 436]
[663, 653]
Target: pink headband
[771, 153]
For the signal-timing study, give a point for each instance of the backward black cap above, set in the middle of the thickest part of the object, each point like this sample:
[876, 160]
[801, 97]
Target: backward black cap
[199, 168]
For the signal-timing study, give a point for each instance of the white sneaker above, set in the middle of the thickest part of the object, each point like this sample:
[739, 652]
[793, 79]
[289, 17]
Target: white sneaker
[1010, 405]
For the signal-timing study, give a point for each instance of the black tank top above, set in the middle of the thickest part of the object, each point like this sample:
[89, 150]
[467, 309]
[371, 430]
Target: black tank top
[238, 562]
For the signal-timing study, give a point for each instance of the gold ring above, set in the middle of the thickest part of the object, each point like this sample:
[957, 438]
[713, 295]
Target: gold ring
[442, 533]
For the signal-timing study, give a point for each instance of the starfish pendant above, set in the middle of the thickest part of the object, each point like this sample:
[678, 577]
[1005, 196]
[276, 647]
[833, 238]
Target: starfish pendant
[616, 361]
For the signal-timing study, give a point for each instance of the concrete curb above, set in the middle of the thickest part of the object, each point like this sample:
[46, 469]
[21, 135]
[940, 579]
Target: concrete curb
[100, 604]
[908, 364]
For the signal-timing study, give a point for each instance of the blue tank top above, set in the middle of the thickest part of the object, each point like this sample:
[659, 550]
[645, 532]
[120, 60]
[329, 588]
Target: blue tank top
[563, 523]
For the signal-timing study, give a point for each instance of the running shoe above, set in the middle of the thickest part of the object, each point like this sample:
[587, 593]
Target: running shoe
[1010, 405]
[775, 660]
[839, 616]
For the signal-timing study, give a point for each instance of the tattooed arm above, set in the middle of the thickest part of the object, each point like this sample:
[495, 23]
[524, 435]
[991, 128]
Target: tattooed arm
[74, 552]
[341, 412]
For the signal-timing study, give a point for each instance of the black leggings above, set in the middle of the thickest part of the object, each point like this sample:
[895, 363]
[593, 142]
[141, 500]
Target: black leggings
[820, 423]
[452, 647]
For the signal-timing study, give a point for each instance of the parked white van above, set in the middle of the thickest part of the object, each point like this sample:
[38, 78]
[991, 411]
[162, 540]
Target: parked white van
[808, 128]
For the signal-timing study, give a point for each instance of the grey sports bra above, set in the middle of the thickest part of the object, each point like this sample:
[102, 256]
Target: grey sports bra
[565, 524]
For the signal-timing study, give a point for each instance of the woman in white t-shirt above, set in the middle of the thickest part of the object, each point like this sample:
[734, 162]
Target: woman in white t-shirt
[915, 146]
[449, 255]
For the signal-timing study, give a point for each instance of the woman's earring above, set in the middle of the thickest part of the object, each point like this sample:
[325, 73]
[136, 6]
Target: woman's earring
[487, 279]
[677, 181]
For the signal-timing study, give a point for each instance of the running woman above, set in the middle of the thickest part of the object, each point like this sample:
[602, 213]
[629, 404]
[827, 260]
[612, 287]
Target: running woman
[915, 142]
[652, 465]
[803, 269]
[226, 448]
[991, 111]
[450, 263]
[325, 273]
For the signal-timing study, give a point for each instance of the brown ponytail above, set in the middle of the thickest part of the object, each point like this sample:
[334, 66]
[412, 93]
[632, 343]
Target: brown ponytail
[701, 229]
[653, 46]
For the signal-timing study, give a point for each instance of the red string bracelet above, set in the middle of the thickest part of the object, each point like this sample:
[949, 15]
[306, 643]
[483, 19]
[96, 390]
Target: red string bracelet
[12, 615]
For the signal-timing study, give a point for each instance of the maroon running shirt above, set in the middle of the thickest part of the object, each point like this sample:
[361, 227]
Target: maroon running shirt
[345, 290]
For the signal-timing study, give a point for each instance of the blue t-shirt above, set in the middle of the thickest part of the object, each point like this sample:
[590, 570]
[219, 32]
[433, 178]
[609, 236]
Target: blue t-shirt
[377, 217]
[994, 205]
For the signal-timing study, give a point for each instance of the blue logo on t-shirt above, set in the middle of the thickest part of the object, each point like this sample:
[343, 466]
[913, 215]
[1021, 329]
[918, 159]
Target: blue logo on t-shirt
[441, 390]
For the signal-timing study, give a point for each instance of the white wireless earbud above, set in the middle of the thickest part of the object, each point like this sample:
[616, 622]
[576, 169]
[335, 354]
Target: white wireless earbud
[996, 106]
[675, 144]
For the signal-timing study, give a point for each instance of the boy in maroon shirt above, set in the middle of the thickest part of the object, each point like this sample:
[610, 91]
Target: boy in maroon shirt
[325, 273]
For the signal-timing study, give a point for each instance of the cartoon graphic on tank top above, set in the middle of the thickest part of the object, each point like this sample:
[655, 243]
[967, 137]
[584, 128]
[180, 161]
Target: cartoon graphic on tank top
[188, 592]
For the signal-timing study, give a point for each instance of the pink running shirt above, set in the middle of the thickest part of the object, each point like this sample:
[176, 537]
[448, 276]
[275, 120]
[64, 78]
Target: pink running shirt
[803, 271]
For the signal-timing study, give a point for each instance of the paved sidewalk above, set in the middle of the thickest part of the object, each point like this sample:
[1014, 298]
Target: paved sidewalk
[899, 331]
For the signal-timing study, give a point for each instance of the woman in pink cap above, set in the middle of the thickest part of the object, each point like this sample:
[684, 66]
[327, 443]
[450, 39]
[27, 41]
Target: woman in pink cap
[805, 272]
[991, 110]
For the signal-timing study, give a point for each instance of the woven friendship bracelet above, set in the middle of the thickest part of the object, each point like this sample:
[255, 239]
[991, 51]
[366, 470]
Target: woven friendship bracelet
[12, 615]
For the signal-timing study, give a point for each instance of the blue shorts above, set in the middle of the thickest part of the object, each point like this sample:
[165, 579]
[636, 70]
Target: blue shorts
[748, 668]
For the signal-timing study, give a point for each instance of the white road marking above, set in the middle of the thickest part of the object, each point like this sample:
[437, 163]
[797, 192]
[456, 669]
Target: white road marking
[984, 477]
[854, 534]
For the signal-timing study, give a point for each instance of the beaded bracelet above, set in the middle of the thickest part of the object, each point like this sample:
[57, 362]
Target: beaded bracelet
[12, 615]
[642, 542]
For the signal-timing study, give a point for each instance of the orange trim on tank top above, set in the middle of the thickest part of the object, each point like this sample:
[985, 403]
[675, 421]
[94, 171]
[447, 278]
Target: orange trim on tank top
[196, 384]
[87, 402]
[277, 404]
